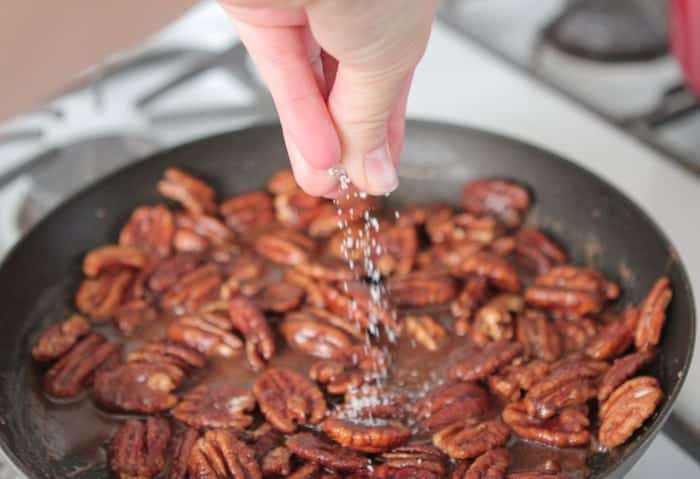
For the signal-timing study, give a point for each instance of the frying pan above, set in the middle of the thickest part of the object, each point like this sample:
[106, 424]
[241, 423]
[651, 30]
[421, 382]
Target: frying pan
[600, 226]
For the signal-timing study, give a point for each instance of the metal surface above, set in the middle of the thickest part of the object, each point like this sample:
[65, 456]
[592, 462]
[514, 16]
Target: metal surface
[601, 227]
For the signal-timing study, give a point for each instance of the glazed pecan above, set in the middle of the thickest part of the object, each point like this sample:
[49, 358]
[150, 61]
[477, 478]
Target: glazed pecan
[398, 246]
[138, 450]
[359, 309]
[469, 300]
[137, 387]
[426, 331]
[207, 333]
[537, 251]
[510, 382]
[193, 290]
[245, 275]
[444, 228]
[571, 382]
[259, 340]
[302, 331]
[449, 403]
[414, 460]
[219, 454]
[492, 464]
[280, 250]
[280, 297]
[652, 314]
[169, 353]
[367, 435]
[313, 448]
[418, 215]
[113, 257]
[133, 314]
[627, 408]
[187, 241]
[57, 339]
[192, 193]
[569, 428]
[536, 475]
[184, 442]
[539, 337]
[340, 375]
[503, 199]
[576, 333]
[323, 316]
[495, 320]
[622, 369]
[169, 271]
[282, 182]
[326, 269]
[212, 229]
[218, 406]
[296, 209]
[244, 213]
[313, 295]
[473, 363]
[468, 438]
[615, 337]
[499, 272]
[69, 375]
[421, 289]
[150, 229]
[98, 298]
[288, 400]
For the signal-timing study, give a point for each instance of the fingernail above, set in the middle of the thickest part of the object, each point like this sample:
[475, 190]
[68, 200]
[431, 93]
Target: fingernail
[380, 171]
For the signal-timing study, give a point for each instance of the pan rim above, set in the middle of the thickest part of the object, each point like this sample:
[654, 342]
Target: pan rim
[630, 457]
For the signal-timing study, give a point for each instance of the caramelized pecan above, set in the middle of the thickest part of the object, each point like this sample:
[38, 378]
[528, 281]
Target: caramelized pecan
[169, 353]
[218, 406]
[468, 438]
[539, 337]
[220, 455]
[212, 229]
[351, 371]
[133, 314]
[469, 300]
[510, 382]
[280, 297]
[313, 448]
[184, 442]
[169, 271]
[244, 213]
[280, 250]
[358, 308]
[421, 289]
[150, 229]
[302, 331]
[398, 246]
[615, 337]
[326, 269]
[576, 333]
[492, 464]
[138, 450]
[313, 294]
[622, 369]
[367, 435]
[192, 193]
[282, 182]
[537, 251]
[246, 275]
[503, 199]
[495, 269]
[537, 475]
[98, 298]
[426, 331]
[259, 340]
[566, 429]
[494, 321]
[652, 314]
[450, 403]
[414, 460]
[193, 290]
[474, 363]
[57, 339]
[113, 257]
[296, 209]
[288, 399]
[207, 333]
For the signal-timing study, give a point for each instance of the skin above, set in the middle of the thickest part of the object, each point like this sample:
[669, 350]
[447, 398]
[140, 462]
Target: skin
[339, 71]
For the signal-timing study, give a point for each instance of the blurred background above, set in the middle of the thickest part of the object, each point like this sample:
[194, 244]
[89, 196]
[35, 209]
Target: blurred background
[610, 84]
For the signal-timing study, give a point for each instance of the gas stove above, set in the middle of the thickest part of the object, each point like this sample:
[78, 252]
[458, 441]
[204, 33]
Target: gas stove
[194, 79]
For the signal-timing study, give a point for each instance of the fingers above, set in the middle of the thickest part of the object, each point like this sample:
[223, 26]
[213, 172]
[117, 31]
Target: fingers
[397, 122]
[313, 181]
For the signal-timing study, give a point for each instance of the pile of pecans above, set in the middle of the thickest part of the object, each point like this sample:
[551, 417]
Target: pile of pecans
[536, 342]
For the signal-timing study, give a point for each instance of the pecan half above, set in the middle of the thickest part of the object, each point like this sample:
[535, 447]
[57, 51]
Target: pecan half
[58, 338]
[207, 333]
[627, 408]
[219, 406]
[282, 182]
[212, 229]
[468, 302]
[220, 455]
[192, 193]
[450, 403]
[360, 366]
[537, 475]
[503, 199]
[623, 369]
[313, 294]
[468, 438]
[193, 290]
[137, 387]
[280, 250]
[652, 314]
[184, 442]
[150, 229]
[168, 353]
[259, 340]
[539, 337]
[326, 269]
[277, 462]
[494, 321]
[313, 448]
[109, 257]
[414, 460]
[169, 271]
[98, 298]
[492, 464]
[398, 246]
[133, 314]
[577, 333]
[280, 297]
[296, 209]
[302, 331]
[474, 364]
[426, 331]
[421, 289]
[244, 213]
[499, 272]
[615, 337]
[567, 429]
[68, 376]
[138, 450]
[245, 275]
[537, 251]
[510, 382]
[288, 399]
[187, 241]
[370, 435]
[359, 310]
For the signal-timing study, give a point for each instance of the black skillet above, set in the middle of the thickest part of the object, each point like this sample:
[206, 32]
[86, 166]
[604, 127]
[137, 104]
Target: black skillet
[599, 225]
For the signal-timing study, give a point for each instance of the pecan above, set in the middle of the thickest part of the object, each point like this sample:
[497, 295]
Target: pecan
[100, 297]
[503, 199]
[212, 229]
[576, 333]
[68, 376]
[277, 462]
[209, 334]
[303, 332]
[138, 450]
[341, 375]
[572, 382]
[468, 438]
[536, 475]
[326, 269]
[418, 215]
[157, 353]
[193, 290]
[494, 321]
[259, 340]
[474, 364]
[150, 229]
[421, 289]
[312, 292]
[192, 193]
[426, 331]
[539, 337]
[296, 209]
[397, 251]
[627, 408]
[469, 300]
[444, 228]
[57, 339]
[414, 460]
[280, 297]
[219, 406]
[187, 241]
[282, 182]
[652, 314]
[288, 399]
[169, 271]
[492, 464]
[623, 369]
[113, 257]
[246, 212]
[371, 435]
[373, 401]
[537, 251]
[615, 337]
[184, 442]
[359, 309]
[133, 314]
[513, 379]
[495, 269]
[450, 256]
[450, 403]
[340, 322]
[313, 448]
[280, 250]
[566, 429]
[308, 471]
[220, 455]
[245, 276]
[137, 387]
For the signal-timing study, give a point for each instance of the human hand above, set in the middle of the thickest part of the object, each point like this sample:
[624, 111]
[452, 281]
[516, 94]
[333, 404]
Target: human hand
[339, 72]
